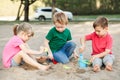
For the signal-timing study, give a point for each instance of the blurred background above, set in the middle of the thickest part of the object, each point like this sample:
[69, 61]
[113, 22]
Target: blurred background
[82, 10]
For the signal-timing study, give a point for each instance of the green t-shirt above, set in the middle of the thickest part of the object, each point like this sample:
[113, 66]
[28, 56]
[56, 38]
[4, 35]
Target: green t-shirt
[58, 39]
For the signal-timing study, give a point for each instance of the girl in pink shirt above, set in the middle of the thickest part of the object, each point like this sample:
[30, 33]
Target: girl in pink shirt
[101, 45]
[17, 50]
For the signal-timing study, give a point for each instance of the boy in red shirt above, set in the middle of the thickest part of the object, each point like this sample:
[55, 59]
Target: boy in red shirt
[101, 45]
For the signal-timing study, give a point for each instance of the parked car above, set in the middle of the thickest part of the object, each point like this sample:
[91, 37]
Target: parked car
[45, 13]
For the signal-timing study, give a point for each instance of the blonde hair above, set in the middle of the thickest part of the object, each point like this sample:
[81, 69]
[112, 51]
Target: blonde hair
[26, 27]
[60, 17]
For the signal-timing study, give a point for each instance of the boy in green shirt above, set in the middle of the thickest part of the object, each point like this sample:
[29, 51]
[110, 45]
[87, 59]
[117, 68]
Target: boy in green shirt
[59, 49]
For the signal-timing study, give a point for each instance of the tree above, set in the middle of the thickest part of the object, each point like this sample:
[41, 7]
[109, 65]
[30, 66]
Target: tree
[18, 14]
[53, 7]
[26, 4]
[85, 7]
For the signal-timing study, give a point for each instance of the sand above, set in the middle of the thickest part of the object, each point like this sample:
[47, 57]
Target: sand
[58, 71]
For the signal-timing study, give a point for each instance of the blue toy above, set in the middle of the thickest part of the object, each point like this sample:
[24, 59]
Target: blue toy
[82, 62]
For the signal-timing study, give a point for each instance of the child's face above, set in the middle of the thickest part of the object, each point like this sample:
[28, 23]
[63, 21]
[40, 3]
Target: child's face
[26, 36]
[100, 31]
[60, 27]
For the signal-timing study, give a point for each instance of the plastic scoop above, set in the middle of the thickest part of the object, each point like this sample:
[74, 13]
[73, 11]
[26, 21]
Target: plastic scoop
[86, 62]
[66, 67]
[46, 50]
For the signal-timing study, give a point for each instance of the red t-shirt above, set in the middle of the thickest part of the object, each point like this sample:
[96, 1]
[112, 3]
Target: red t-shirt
[100, 44]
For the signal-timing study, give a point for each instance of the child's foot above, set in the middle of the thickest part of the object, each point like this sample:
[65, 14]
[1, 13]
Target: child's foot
[108, 67]
[96, 68]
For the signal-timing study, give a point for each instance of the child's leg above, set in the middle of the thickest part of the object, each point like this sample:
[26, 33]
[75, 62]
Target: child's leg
[108, 61]
[61, 57]
[63, 54]
[69, 48]
[21, 55]
[97, 63]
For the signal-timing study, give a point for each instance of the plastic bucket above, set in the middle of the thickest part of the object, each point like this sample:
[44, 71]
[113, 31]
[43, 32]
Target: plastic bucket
[82, 63]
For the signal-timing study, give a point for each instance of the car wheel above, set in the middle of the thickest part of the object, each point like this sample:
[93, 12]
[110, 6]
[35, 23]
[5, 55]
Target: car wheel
[41, 18]
[69, 19]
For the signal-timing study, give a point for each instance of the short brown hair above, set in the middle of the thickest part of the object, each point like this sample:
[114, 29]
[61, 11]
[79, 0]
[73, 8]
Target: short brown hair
[60, 17]
[101, 21]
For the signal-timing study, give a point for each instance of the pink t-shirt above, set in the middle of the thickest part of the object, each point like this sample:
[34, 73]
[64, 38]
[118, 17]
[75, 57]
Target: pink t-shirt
[100, 44]
[10, 50]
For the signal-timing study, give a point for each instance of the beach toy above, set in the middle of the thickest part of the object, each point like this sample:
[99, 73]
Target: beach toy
[86, 62]
[82, 62]
[54, 61]
[81, 56]
[66, 67]
[46, 50]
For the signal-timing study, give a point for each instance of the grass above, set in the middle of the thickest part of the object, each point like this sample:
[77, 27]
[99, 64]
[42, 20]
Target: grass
[114, 17]
[18, 22]
[81, 18]
[94, 16]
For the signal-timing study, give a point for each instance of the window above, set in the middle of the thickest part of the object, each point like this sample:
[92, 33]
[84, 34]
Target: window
[47, 10]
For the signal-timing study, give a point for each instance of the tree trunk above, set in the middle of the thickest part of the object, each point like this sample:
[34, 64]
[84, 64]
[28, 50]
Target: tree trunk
[26, 10]
[53, 7]
[18, 14]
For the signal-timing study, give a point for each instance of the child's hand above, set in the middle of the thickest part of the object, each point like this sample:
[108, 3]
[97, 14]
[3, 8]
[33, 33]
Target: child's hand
[92, 58]
[43, 49]
[75, 55]
[50, 56]
[41, 59]
[82, 49]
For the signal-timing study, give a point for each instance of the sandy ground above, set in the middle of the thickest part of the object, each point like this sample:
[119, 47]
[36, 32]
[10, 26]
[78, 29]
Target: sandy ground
[58, 72]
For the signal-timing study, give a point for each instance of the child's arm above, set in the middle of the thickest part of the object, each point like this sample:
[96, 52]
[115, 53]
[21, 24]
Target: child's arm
[82, 41]
[107, 51]
[75, 54]
[27, 49]
[49, 50]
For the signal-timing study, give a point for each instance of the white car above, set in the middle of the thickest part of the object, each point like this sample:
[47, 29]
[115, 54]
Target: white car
[45, 13]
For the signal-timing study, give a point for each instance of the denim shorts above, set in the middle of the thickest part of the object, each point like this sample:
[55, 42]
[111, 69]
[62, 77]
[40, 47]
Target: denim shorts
[13, 63]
